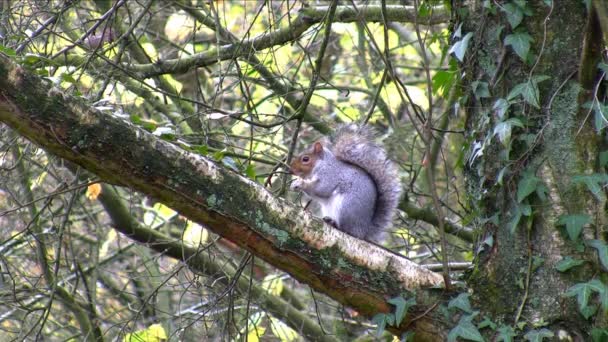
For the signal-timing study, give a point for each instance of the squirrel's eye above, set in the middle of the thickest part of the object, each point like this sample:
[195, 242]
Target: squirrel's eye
[305, 159]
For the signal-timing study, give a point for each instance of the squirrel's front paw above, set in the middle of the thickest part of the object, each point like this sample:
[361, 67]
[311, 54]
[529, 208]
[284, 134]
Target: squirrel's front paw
[296, 185]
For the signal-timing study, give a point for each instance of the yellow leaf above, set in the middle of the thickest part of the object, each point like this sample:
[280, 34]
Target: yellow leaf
[273, 284]
[93, 191]
[154, 333]
[195, 234]
[158, 215]
[282, 331]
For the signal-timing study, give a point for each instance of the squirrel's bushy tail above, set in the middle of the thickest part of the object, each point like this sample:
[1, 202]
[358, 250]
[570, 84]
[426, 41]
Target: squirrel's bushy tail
[355, 144]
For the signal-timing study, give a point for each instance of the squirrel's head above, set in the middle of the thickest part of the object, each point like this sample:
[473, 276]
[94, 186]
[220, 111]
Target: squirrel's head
[303, 164]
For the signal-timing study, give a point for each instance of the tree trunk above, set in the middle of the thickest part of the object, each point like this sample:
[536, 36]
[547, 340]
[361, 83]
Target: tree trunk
[525, 185]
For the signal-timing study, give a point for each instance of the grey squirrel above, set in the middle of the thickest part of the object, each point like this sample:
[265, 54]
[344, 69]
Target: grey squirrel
[353, 180]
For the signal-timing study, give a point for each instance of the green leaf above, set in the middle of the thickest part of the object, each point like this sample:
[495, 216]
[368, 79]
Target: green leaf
[603, 158]
[380, 321]
[500, 108]
[538, 335]
[480, 89]
[425, 9]
[503, 129]
[582, 291]
[202, 150]
[599, 335]
[461, 302]
[486, 323]
[506, 334]
[68, 78]
[520, 42]
[408, 336]
[525, 209]
[528, 90]
[527, 185]
[600, 116]
[514, 221]
[219, 155]
[250, 171]
[514, 14]
[592, 182]
[465, 330]
[460, 47]
[568, 263]
[574, 224]
[542, 191]
[602, 251]
[588, 311]
[443, 81]
[597, 285]
[8, 51]
[604, 300]
[401, 307]
[537, 262]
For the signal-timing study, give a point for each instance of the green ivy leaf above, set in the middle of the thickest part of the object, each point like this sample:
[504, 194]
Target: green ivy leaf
[603, 158]
[480, 89]
[514, 221]
[593, 182]
[525, 209]
[574, 224]
[568, 263]
[528, 90]
[461, 302]
[514, 14]
[527, 185]
[538, 335]
[588, 311]
[542, 191]
[465, 330]
[401, 307]
[460, 47]
[537, 262]
[520, 42]
[380, 321]
[500, 108]
[506, 334]
[602, 251]
[582, 291]
[600, 116]
[486, 323]
[604, 300]
[503, 129]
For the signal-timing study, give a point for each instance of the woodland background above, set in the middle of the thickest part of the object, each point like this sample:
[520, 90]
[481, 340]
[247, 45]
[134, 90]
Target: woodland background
[144, 189]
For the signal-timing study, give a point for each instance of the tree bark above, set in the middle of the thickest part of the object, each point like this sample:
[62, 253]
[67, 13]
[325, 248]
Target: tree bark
[516, 279]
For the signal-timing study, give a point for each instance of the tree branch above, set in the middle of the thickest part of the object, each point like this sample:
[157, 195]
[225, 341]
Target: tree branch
[352, 271]
[306, 18]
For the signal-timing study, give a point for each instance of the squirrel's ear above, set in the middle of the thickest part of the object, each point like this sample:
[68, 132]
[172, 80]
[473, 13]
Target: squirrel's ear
[318, 147]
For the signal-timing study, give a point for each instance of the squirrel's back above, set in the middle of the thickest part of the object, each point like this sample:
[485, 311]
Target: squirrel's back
[355, 144]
